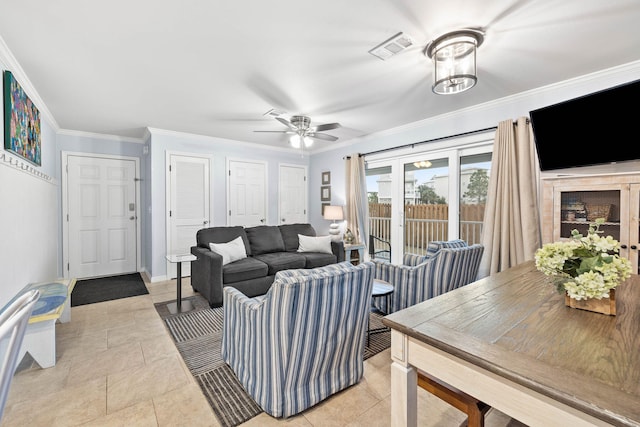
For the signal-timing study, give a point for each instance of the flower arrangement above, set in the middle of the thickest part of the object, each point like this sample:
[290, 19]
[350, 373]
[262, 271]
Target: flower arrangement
[585, 266]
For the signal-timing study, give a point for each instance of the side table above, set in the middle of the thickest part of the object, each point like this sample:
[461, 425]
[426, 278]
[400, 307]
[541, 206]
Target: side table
[380, 289]
[180, 306]
[348, 247]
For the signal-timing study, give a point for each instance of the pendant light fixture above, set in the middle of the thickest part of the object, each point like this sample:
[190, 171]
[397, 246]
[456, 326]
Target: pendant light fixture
[454, 60]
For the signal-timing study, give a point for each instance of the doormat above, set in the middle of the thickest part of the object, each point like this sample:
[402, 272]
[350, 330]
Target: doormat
[89, 291]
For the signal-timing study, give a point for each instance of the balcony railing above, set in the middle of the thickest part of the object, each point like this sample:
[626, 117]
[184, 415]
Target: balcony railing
[419, 232]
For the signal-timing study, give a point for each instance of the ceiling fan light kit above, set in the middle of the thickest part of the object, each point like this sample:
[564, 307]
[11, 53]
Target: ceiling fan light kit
[301, 131]
[454, 59]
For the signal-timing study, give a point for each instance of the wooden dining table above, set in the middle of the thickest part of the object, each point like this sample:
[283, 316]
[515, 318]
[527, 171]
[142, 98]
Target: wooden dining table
[510, 341]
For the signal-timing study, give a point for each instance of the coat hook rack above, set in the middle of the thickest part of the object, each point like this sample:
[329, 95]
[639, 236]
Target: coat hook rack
[23, 166]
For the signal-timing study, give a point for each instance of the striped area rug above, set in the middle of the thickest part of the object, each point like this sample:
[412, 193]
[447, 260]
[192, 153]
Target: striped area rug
[198, 337]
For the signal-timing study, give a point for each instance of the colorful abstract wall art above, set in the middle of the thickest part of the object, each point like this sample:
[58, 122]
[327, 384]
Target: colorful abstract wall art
[21, 122]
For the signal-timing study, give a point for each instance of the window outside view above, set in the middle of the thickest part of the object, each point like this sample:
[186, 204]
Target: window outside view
[426, 204]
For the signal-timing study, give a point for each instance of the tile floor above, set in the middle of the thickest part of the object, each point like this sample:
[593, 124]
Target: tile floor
[117, 366]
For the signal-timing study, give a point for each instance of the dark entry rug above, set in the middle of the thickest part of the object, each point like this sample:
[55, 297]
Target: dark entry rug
[90, 291]
[198, 337]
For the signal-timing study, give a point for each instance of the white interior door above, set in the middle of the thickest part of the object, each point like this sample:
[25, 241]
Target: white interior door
[292, 194]
[246, 193]
[102, 216]
[188, 203]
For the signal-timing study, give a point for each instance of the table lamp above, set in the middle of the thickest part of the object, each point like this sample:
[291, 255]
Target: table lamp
[334, 213]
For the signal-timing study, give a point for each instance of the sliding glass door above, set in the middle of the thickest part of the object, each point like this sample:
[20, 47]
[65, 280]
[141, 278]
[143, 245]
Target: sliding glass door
[416, 198]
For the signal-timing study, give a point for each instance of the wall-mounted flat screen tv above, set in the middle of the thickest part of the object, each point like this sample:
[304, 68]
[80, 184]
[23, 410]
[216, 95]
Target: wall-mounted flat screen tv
[594, 129]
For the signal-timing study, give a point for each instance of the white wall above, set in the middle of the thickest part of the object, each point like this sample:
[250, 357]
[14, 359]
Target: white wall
[29, 211]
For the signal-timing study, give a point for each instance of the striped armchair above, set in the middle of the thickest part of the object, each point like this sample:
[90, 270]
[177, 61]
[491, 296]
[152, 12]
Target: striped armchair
[446, 266]
[303, 340]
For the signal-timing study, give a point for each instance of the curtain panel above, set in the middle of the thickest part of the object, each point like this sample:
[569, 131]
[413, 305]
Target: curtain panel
[357, 209]
[511, 228]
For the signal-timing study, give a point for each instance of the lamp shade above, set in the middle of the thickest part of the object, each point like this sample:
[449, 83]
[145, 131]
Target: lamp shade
[333, 212]
[454, 59]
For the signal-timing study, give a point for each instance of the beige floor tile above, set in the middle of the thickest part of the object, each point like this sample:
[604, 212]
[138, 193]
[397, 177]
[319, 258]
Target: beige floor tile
[158, 347]
[69, 406]
[81, 346]
[151, 380]
[185, 406]
[139, 415]
[110, 361]
[36, 381]
[143, 330]
[264, 420]
[343, 407]
[377, 416]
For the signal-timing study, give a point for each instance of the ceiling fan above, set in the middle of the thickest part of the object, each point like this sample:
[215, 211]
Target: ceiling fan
[301, 131]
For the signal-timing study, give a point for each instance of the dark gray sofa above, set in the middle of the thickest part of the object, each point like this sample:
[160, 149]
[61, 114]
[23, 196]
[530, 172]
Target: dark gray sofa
[270, 248]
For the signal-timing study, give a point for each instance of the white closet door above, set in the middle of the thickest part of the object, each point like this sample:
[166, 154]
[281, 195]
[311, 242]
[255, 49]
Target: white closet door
[246, 193]
[188, 201]
[292, 194]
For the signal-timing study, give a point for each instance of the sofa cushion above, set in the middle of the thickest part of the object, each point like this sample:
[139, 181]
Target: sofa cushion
[221, 235]
[244, 269]
[278, 261]
[290, 234]
[230, 251]
[318, 259]
[265, 239]
[314, 244]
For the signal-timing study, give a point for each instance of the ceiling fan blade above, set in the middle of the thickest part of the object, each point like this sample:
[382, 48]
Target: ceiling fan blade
[276, 131]
[323, 136]
[285, 122]
[326, 126]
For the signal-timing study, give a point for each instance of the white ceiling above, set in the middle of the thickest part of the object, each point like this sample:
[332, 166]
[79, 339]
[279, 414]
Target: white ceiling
[215, 67]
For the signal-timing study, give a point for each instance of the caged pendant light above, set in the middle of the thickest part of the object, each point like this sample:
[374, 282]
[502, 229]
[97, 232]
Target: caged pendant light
[454, 59]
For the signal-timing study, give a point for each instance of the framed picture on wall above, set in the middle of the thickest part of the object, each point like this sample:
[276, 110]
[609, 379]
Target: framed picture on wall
[325, 193]
[326, 178]
[21, 121]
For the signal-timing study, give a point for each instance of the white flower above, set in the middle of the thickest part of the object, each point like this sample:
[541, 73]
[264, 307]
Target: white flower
[584, 266]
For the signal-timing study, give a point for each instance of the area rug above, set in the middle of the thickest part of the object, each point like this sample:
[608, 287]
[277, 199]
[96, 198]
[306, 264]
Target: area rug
[89, 291]
[198, 337]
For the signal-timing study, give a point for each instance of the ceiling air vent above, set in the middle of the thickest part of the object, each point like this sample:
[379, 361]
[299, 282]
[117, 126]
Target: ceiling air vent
[392, 46]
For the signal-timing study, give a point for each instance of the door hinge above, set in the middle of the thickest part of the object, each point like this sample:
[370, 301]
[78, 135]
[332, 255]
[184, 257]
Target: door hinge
[229, 172]
[67, 266]
[169, 213]
[305, 178]
[229, 212]
[67, 217]
[169, 168]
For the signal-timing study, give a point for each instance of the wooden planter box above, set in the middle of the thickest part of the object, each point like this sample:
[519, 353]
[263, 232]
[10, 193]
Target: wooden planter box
[604, 305]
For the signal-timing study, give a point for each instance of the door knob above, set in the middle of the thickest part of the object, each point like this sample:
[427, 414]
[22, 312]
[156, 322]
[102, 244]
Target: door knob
[132, 218]
[283, 220]
[623, 246]
[634, 247]
[205, 222]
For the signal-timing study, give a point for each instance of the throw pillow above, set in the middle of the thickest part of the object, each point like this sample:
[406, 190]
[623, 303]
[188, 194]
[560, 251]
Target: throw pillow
[230, 251]
[314, 244]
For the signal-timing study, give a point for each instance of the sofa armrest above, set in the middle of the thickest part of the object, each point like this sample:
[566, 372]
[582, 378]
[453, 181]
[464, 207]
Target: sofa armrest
[338, 249]
[206, 275]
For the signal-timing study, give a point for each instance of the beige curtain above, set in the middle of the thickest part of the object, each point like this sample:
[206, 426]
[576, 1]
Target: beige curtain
[357, 209]
[511, 229]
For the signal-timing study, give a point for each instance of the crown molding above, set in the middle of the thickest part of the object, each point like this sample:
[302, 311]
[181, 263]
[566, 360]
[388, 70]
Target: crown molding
[93, 135]
[11, 63]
